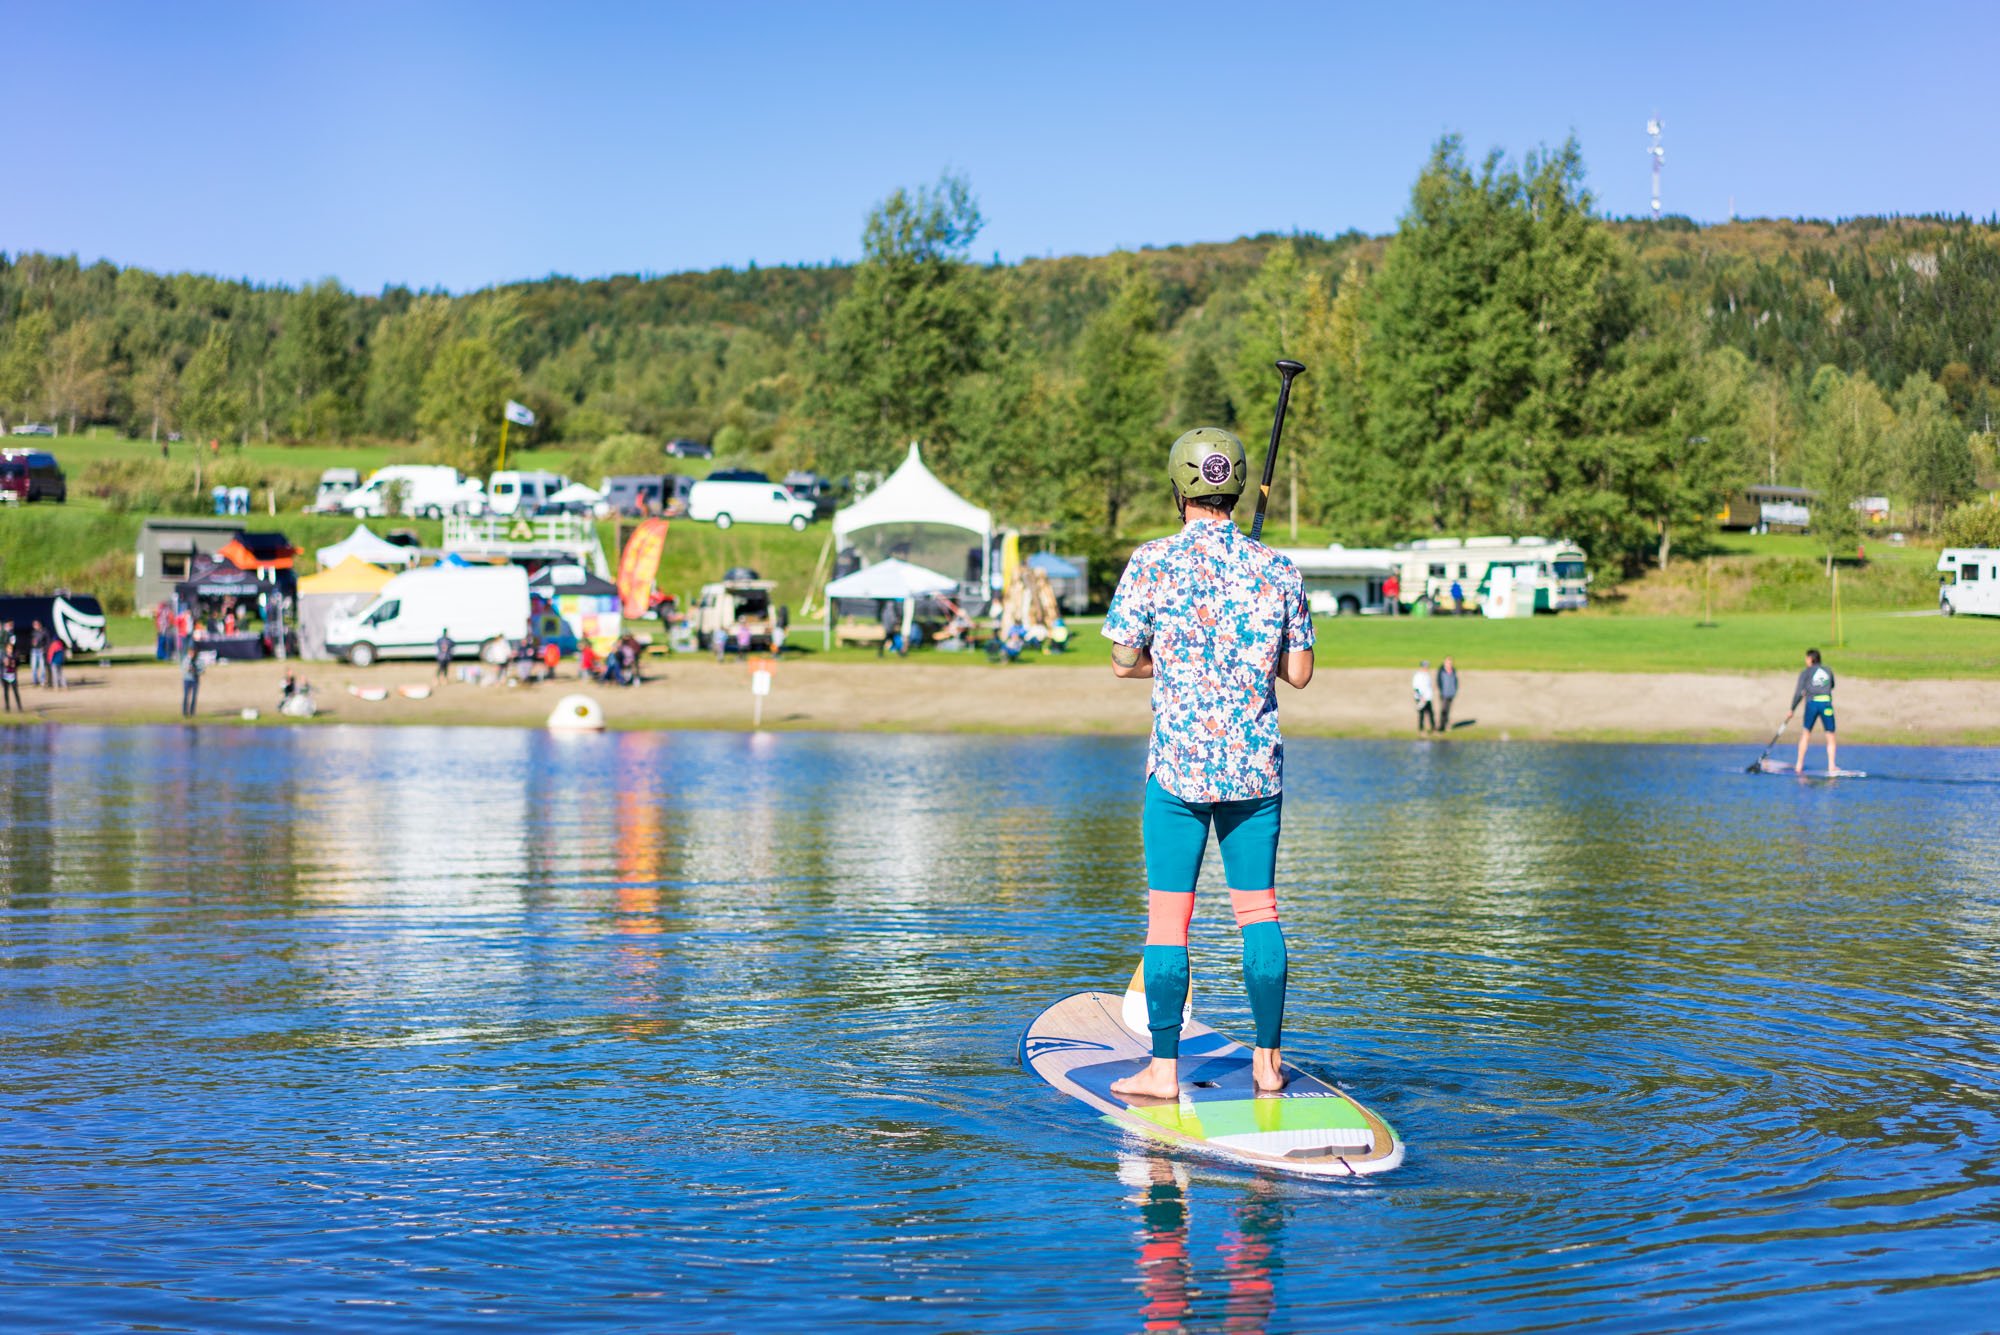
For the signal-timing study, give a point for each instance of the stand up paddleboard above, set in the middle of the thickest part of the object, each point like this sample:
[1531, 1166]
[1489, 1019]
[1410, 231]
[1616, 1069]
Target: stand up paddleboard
[1081, 1044]
[1780, 767]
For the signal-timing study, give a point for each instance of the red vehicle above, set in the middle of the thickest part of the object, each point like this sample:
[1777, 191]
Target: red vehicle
[31, 475]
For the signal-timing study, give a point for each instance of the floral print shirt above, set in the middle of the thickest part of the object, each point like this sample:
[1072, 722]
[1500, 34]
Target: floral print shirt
[1215, 610]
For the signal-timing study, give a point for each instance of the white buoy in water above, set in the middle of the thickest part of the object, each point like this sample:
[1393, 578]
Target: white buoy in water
[576, 713]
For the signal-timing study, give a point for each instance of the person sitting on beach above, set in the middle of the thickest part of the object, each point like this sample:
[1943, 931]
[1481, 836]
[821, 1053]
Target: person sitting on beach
[628, 659]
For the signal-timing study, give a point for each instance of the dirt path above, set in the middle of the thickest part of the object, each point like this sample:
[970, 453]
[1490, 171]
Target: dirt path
[919, 697]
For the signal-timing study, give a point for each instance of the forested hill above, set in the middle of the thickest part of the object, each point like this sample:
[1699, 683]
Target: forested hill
[1506, 359]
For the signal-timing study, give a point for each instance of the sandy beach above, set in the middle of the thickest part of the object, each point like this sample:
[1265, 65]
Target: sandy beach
[1044, 698]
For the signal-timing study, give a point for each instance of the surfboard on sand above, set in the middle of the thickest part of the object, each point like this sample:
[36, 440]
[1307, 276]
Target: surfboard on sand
[1081, 1044]
[1768, 766]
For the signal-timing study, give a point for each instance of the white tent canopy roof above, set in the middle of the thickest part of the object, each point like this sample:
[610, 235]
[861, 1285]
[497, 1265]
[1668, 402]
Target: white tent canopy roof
[911, 495]
[890, 579]
[576, 492]
[364, 544]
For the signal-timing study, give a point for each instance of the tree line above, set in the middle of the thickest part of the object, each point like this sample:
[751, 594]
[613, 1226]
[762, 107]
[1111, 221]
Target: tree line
[1506, 360]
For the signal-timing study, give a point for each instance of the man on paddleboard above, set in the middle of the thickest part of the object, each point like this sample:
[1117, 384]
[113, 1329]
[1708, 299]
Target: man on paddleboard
[1815, 687]
[1215, 620]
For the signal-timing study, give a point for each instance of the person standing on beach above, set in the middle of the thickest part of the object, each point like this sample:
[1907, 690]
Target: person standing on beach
[1215, 620]
[444, 648]
[10, 671]
[1392, 589]
[190, 674]
[1815, 687]
[58, 652]
[38, 654]
[1420, 687]
[1447, 692]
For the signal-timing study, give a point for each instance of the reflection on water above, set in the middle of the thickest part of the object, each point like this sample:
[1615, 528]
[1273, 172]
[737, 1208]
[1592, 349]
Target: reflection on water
[362, 1027]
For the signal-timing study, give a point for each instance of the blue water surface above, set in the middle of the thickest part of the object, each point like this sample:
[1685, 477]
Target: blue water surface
[477, 1029]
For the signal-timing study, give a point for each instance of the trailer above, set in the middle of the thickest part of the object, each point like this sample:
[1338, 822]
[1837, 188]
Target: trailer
[1344, 581]
[1969, 581]
[1545, 575]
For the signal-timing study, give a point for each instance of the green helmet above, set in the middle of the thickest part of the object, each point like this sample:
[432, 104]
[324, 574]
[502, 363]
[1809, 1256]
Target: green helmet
[1207, 461]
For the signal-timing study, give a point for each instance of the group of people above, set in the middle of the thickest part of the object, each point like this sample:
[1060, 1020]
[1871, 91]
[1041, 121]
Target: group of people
[1434, 695]
[537, 659]
[46, 655]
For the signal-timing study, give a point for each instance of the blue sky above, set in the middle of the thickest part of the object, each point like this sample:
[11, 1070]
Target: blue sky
[457, 145]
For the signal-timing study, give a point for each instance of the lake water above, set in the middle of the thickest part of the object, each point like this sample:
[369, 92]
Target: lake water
[475, 1029]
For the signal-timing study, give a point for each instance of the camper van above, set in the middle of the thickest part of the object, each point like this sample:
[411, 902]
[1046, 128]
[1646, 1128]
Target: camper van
[1555, 572]
[749, 503]
[1344, 581]
[483, 608]
[721, 605]
[335, 486]
[431, 491]
[512, 492]
[1971, 578]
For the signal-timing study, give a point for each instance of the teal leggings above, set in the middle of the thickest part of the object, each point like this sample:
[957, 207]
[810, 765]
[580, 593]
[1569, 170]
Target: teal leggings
[1176, 837]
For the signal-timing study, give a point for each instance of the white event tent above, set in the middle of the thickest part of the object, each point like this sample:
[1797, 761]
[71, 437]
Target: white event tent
[364, 544]
[916, 518]
[887, 580]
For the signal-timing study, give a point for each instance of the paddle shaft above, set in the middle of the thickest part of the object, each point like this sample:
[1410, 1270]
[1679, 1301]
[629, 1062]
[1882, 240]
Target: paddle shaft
[1759, 764]
[1286, 371]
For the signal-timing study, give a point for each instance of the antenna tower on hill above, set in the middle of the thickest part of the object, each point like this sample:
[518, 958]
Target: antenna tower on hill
[1658, 155]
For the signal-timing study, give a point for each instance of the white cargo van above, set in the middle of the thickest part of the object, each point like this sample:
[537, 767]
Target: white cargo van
[483, 608]
[432, 491]
[513, 492]
[335, 485]
[1971, 578]
[748, 503]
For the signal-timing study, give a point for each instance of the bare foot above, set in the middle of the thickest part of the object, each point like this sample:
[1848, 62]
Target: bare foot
[1160, 1080]
[1267, 1068]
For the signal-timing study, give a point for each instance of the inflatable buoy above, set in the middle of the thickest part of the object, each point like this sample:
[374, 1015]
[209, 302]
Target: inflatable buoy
[368, 692]
[576, 713]
[414, 692]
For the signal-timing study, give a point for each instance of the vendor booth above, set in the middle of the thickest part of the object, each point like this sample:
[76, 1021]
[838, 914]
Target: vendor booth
[586, 605]
[912, 517]
[890, 580]
[347, 587]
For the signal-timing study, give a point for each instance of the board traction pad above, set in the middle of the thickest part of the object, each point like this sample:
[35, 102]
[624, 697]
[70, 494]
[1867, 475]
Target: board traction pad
[1080, 1046]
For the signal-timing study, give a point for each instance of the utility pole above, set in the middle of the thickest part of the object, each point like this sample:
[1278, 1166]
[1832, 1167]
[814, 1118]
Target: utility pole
[1658, 155]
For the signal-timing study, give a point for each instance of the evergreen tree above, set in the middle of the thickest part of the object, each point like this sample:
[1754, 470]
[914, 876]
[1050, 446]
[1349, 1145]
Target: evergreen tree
[24, 362]
[400, 355]
[1844, 452]
[464, 393]
[908, 331]
[1201, 397]
[316, 359]
[1118, 434]
[210, 407]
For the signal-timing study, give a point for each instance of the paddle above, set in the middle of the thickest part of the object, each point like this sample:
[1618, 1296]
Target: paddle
[1758, 763]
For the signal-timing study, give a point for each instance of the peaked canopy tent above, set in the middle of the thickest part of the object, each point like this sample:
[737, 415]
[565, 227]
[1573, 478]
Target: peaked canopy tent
[348, 587]
[364, 544]
[889, 580]
[915, 518]
[585, 606]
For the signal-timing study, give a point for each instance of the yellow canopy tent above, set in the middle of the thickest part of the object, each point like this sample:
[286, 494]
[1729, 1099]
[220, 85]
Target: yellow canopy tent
[347, 587]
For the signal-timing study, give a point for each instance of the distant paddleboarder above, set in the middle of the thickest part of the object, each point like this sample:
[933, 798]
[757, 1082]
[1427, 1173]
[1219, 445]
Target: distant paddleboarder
[1215, 620]
[1815, 688]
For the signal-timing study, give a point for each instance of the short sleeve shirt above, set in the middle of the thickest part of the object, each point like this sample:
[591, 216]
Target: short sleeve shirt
[1215, 610]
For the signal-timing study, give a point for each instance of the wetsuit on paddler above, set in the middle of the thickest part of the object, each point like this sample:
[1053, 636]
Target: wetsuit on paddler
[1215, 620]
[1815, 687]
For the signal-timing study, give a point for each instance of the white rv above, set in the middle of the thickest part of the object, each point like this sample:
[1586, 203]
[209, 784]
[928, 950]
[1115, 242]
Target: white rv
[1555, 572]
[427, 491]
[1971, 578]
[1344, 581]
[511, 492]
[483, 608]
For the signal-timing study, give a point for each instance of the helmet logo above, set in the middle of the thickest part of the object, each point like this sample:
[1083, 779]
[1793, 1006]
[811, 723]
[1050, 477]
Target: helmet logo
[1215, 469]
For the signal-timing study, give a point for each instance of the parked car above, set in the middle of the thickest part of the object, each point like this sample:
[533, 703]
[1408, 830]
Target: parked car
[749, 502]
[434, 491]
[737, 475]
[34, 429]
[31, 475]
[335, 484]
[689, 449]
[483, 608]
[514, 492]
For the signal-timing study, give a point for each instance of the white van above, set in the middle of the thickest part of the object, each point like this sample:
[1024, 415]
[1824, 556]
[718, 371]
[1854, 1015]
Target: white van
[514, 492]
[433, 491]
[335, 485]
[1971, 581]
[483, 608]
[749, 503]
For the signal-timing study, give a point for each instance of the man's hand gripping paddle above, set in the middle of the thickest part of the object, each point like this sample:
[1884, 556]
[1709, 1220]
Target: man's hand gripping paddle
[1286, 371]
